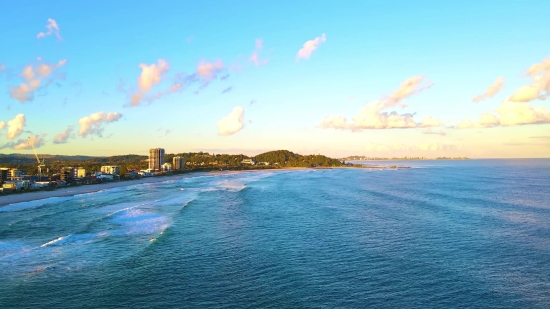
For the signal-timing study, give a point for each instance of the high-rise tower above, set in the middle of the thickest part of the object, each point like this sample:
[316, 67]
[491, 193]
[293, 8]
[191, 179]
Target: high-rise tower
[156, 158]
[178, 164]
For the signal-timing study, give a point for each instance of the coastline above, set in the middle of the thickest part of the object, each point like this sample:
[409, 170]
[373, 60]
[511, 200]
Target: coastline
[83, 189]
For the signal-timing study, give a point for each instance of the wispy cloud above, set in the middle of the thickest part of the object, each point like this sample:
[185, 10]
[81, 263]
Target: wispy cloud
[52, 28]
[93, 124]
[232, 123]
[491, 90]
[227, 90]
[255, 57]
[431, 131]
[403, 147]
[310, 46]
[63, 137]
[33, 76]
[252, 102]
[540, 83]
[541, 137]
[372, 117]
[209, 70]
[23, 143]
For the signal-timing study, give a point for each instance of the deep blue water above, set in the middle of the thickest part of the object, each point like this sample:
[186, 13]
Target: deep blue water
[443, 234]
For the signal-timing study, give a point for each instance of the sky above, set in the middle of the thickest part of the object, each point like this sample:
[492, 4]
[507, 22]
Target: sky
[340, 78]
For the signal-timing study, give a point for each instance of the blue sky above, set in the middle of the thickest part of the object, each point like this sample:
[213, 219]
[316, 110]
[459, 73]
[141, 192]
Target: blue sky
[197, 71]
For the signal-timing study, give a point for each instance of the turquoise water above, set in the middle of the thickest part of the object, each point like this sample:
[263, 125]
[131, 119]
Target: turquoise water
[443, 234]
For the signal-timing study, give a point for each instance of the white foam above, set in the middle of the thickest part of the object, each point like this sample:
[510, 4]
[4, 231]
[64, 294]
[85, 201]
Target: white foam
[53, 241]
[35, 203]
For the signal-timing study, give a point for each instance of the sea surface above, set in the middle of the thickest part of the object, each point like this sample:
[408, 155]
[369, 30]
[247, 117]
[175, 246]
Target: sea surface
[442, 234]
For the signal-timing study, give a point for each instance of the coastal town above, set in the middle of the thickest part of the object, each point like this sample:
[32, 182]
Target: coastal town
[22, 175]
[14, 179]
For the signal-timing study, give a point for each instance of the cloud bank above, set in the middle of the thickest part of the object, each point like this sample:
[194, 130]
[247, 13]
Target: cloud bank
[372, 117]
[231, 123]
[509, 113]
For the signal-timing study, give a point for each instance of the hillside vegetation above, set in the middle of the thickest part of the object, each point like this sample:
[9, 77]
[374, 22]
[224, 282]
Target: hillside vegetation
[193, 160]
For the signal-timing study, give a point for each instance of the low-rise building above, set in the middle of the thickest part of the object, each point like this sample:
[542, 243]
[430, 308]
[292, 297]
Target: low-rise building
[106, 176]
[79, 172]
[248, 161]
[167, 167]
[15, 174]
[111, 169]
[67, 174]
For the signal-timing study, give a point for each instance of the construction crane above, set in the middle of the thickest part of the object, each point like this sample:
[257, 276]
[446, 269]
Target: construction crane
[40, 163]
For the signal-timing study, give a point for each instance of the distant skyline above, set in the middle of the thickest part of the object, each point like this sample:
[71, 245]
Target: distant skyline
[372, 78]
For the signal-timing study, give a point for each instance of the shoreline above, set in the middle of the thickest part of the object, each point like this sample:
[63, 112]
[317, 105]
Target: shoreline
[10, 199]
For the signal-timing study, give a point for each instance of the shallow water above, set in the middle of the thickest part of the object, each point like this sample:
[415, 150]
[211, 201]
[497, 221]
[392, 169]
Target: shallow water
[442, 234]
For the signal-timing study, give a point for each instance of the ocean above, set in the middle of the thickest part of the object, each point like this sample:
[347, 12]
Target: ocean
[442, 234]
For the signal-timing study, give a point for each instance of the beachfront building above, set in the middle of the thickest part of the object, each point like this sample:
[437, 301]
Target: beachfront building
[15, 174]
[248, 161]
[110, 169]
[67, 174]
[178, 163]
[156, 158]
[4, 174]
[79, 172]
[167, 167]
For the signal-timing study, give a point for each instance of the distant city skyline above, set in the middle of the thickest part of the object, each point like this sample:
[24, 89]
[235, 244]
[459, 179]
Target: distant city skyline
[364, 78]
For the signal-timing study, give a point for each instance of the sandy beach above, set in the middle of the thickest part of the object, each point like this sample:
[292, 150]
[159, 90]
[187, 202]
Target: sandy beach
[70, 191]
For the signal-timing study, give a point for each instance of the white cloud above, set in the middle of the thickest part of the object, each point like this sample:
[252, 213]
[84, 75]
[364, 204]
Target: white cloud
[540, 83]
[33, 76]
[491, 90]
[16, 125]
[92, 124]
[310, 46]
[2, 125]
[150, 75]
[63, 137]
[372, 117]
[509, 114]
[231, 123]
[53, 28]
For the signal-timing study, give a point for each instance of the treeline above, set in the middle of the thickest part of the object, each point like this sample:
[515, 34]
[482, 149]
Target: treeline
[285, 158]
[193, 161]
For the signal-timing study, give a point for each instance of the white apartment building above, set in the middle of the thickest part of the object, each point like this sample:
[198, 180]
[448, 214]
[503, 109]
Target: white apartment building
[111, 169]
